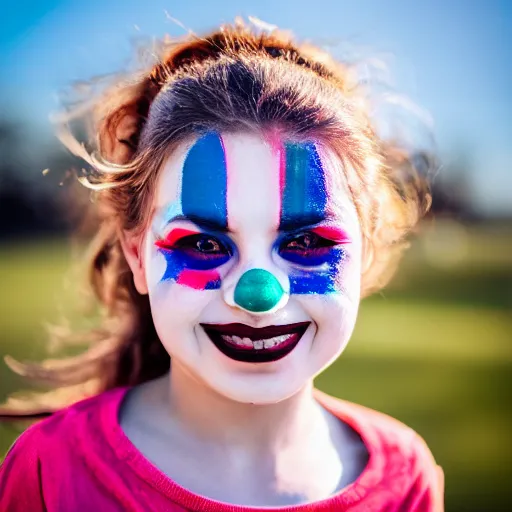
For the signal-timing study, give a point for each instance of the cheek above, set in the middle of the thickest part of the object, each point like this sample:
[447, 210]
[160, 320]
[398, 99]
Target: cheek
[176, 309]
[335, 317]
[330, 278]
[155, 267]
[200, 279]
[174, 267]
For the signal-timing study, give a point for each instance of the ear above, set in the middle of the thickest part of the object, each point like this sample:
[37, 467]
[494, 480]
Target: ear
[132, 245]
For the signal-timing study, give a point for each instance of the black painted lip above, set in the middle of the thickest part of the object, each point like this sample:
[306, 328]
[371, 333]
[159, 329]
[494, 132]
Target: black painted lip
[256, 333]
[251, 355]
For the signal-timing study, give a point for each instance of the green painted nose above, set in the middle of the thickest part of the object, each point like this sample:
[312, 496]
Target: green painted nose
[258, 290]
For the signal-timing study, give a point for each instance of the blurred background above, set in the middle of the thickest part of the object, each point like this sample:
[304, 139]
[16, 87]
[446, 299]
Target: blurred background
[434, 349]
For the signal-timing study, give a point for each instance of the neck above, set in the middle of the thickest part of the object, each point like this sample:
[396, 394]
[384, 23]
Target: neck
[217, 419]
[292, 449]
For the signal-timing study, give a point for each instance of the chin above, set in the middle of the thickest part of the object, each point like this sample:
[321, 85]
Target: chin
[259, 390]
[269, 382]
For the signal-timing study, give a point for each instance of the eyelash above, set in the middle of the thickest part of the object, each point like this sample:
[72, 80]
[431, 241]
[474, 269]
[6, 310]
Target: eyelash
[307, 249]
[315, 242]
[190, 243]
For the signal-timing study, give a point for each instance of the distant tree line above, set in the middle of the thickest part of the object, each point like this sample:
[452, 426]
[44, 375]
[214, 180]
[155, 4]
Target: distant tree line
[37, 193]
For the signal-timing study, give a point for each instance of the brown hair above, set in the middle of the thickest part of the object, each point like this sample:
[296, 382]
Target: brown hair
[232, 79]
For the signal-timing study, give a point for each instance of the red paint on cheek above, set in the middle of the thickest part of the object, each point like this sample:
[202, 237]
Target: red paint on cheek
[332, 233]
[173, 237]
[198, 279]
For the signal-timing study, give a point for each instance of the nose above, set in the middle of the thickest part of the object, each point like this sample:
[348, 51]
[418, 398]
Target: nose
[259, 291]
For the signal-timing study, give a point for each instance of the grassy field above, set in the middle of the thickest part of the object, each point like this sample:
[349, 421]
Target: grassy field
[434, 350]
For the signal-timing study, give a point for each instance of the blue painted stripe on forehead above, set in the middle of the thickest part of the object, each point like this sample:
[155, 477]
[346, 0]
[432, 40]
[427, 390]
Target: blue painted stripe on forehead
[204, 183]
[304, 195]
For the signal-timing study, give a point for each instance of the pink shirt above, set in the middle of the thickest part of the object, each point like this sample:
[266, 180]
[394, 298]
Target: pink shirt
[79, 459]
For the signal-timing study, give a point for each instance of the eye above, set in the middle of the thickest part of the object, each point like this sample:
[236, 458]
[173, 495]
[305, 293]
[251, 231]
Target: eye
[307, 249]
[199, 250]
[203, 244]
[306, 242]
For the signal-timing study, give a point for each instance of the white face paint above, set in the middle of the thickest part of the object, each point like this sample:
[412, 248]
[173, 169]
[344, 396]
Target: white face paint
[193, 268]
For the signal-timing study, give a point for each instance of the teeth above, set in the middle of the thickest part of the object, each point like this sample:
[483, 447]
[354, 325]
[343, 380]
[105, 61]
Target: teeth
[233, 339]
[247, 342]
[257, 344]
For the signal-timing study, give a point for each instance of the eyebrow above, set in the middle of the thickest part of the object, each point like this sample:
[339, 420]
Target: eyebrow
[199, 221]
[300, 221]
[292, 223]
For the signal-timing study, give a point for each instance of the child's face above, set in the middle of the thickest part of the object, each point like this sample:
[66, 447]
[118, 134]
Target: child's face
[253, 263]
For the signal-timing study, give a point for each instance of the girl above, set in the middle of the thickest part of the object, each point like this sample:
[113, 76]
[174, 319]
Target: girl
[246, 205]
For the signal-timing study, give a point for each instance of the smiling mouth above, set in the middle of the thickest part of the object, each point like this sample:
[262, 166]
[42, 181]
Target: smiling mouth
[255, 345]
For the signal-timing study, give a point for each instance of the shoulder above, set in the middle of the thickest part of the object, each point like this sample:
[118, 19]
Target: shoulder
[379, 430]
[58, 451]
[400, 459]
[41, 439]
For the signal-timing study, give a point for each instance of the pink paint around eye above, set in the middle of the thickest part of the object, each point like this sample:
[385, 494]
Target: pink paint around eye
[332, 233]
[174, 236]
[198, 279]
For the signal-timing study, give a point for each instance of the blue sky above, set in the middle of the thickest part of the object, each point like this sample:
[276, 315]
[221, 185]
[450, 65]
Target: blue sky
[453, 57]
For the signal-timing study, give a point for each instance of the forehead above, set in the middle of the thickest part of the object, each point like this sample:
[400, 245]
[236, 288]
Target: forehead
[230, 178]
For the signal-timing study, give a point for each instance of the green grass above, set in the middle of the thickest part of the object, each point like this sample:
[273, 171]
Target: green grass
[434, 350]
